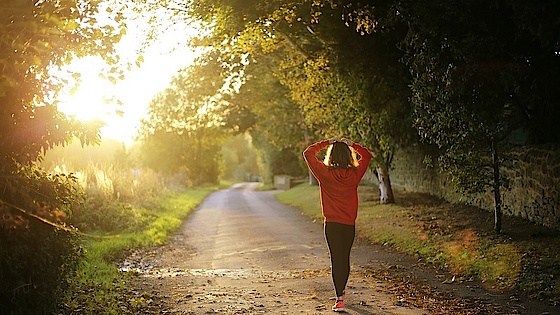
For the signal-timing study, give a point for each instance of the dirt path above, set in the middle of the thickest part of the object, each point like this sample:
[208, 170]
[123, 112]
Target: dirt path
[242, 252]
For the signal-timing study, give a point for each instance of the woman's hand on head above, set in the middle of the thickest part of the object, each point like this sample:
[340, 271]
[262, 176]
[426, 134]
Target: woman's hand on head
[347, 141]
[334, 139]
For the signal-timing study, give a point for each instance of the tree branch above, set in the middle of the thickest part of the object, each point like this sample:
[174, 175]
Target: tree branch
[293, 45]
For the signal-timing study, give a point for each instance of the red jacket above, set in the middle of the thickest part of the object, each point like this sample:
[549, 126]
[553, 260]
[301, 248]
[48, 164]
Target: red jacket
[339, 187]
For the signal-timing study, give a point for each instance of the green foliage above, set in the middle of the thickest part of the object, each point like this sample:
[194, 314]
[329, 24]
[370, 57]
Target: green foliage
[275, 161]
[472, 66]
[99, 287]
[39, 252]
[276, 118]
[113, 195]
[112, 183]
[308, 76]
[36, 251]
[276, 128]
[36, 36]
[475, 72]
[481, 72]
[240, 159]
[98, 214]
[183, 132]
[500, 66]
[36, 268]
[74, 157]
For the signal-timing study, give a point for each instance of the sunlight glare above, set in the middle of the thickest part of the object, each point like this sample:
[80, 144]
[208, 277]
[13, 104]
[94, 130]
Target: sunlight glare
[89, 100]
[95, 97]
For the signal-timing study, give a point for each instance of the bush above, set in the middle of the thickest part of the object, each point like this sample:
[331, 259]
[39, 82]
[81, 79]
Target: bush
[97, 215]
[38, 255]
[36, 267]
[114, 196]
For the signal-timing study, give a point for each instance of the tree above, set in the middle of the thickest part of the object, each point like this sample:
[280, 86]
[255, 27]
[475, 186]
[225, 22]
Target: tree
[37, 36]
[240, 159]
[36, 250]
[481, 71]
[326, 68]
[356, 86]
[277, 128]
[183, 131]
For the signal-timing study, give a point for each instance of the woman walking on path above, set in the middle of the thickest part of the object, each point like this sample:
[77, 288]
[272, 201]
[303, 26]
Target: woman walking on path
[339, 175]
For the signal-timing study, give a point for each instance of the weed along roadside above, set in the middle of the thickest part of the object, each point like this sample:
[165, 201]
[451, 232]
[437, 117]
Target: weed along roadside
[99, 287]
[522, 262]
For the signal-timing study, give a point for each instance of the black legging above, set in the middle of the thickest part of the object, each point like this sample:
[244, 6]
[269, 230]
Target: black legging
[340, 238]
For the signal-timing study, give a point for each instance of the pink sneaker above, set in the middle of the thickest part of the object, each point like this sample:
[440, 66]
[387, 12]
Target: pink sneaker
[338, 306]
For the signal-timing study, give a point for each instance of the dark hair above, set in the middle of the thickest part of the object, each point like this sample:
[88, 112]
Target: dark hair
[340, 156]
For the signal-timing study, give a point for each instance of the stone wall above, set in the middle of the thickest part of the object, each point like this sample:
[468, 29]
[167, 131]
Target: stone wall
[534, 174]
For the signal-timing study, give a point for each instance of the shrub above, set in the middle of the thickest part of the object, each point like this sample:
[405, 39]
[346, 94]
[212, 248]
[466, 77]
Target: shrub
[38, 254]
[36, 266]
[114, 196]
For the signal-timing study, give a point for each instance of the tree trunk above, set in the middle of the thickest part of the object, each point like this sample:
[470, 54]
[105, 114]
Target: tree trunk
[385, 189]
[496, 189]
[312, 180]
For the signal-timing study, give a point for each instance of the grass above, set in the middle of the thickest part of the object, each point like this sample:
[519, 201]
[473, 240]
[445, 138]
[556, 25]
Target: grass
[457, 238]
[99, 286]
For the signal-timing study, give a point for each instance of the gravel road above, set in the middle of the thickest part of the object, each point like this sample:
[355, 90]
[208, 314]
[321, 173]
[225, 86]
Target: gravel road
[243, 252]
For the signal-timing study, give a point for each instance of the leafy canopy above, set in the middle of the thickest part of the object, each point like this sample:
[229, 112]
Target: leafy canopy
[35, 37]
[183, 132]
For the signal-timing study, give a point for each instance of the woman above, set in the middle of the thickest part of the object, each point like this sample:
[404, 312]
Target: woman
[339, 176]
